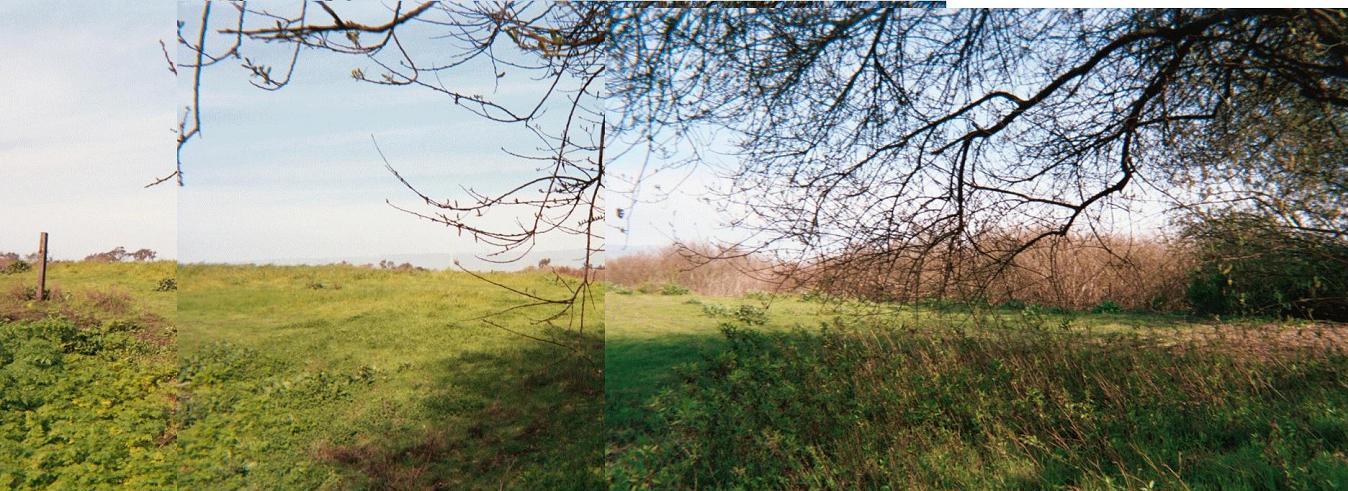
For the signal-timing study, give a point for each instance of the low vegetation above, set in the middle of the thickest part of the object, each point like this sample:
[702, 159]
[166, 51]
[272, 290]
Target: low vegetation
[86, 379]
[1230, 265]
[132, 375]
[707, 392]
[347, 377]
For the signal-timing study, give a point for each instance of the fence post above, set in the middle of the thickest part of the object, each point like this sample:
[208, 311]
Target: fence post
[42, 267]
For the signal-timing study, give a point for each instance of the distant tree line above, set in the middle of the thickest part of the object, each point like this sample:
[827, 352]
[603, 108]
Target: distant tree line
[119, 254]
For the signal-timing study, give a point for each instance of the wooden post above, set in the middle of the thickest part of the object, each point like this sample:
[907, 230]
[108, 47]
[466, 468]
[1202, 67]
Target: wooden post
[42, 267]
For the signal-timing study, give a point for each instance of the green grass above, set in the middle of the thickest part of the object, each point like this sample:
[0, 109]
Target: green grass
[650, 334]
[939, 398]
[328, 377]
[339, 377]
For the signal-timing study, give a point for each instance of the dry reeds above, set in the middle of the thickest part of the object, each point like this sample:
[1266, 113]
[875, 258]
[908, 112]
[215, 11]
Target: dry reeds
[688, 266]
[1067, 272]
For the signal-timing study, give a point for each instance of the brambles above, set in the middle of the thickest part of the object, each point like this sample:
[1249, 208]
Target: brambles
[82, 406]
[749, 315]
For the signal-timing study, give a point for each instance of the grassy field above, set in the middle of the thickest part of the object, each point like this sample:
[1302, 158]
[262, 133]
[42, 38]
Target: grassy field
[649, 334]
[331, 377]
[342, 377]
[706, 392]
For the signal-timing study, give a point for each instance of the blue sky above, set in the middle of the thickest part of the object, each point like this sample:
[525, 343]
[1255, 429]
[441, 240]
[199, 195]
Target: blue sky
[293, 174]
[87, 109]
[90, 107]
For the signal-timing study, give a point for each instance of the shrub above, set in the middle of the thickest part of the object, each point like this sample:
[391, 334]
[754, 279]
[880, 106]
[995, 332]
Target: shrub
[715, 310]
[750, 315]
[15, 267]
[166, 285]
[117, 254]
[392, 266]
[1251, 266]
[1107, 307]
[673, 289]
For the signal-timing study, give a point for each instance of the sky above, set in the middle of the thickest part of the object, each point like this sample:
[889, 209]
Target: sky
[87, 114]
[293, 175]
[285, 176]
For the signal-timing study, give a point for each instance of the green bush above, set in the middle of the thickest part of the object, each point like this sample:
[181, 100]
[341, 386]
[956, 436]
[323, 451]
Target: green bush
[1251, 266]
[167, 285]
[749, 315]
[1107, 307]
[15, 267]
[673, 289]
[716, 310]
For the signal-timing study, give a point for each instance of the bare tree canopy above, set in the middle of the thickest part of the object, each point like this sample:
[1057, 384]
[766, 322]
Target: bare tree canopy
[552, 50]
[902, 132]
[873, 128]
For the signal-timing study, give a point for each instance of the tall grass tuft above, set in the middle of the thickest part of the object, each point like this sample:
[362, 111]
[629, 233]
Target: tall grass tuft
[852, 407]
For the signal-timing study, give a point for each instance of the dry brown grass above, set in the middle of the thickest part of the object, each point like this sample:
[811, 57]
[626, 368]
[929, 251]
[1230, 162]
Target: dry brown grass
[1079, 273]
[1076, 273]
[1265, 342]
[685, 267]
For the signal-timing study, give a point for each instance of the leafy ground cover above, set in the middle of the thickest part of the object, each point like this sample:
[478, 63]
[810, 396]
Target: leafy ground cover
[704, 392]
[86, 378]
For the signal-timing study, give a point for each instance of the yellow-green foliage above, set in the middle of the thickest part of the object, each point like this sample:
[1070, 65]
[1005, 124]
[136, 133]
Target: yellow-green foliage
[86, 378]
